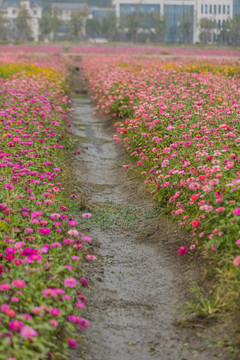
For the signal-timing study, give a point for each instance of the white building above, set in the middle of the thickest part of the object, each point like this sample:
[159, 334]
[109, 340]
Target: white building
[11, 8]
[172, 10]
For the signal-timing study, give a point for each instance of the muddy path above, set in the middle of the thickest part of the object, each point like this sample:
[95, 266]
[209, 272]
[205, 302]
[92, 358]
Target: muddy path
[138, 281]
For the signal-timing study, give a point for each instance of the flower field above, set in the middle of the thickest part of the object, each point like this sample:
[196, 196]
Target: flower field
[179, 121]
[40, 246]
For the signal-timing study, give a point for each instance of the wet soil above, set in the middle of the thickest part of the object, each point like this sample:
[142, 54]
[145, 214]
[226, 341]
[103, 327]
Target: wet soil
[138, 281]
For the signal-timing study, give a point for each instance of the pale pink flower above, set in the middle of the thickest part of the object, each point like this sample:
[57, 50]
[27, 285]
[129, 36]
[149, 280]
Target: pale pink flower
[220, 209]
[70, 282]
[86, 215]
[28, 332]
[53, 322]
[91, 257]
[236, 261]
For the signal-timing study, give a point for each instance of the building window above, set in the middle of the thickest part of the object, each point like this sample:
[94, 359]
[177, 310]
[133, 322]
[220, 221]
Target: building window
[224, 9]
[35, 12]
[219, 9]
[210, 9]
[206, 9]
[13, 11]
[228, 9]
[202, 9]
[219, 23]
[215, 9]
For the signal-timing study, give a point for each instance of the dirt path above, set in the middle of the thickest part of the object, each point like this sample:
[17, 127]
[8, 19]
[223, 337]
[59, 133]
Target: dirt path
[139, 280]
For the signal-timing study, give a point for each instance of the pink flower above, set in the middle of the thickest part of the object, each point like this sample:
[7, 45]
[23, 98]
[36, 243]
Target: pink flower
[19, 283]
[70, 282]
[182, 250]
[5, 287]
[72, 223]
[53, 322]
[28, 230]
[238, 242]
[28, 332]
[49, 292]
[55, 312]
[86, 238]
[56, 245]
[5, 307]
[80, 305]
[236, 211]
[72, 343]
[214, 247]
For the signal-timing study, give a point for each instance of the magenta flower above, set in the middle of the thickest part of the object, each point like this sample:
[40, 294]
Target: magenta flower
[72, 318]
[84, 282]
[44, 231]
[83, 323]
[9, 186]
[236, 211]
[15, 325]
[182, 250]
[28, 332]
[72, 343]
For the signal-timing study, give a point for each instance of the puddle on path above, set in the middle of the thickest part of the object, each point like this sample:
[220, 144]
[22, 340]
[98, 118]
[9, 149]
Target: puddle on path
[137, 283]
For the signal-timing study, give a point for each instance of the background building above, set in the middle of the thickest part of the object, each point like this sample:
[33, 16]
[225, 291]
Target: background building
[183, 18]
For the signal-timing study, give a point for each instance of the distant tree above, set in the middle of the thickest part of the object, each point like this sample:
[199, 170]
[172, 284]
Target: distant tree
[22, 24]
[55, 21]
[186, 26]
[224, 32]
[109, 27]
[93, 28]
[76, 23]
[234, 31]
[3, 27]
[159, 24]
[122, 30]
[207, 27]
[133, 24]
[45, 24]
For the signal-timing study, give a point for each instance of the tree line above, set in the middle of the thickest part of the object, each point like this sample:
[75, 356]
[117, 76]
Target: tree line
[136, 27]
